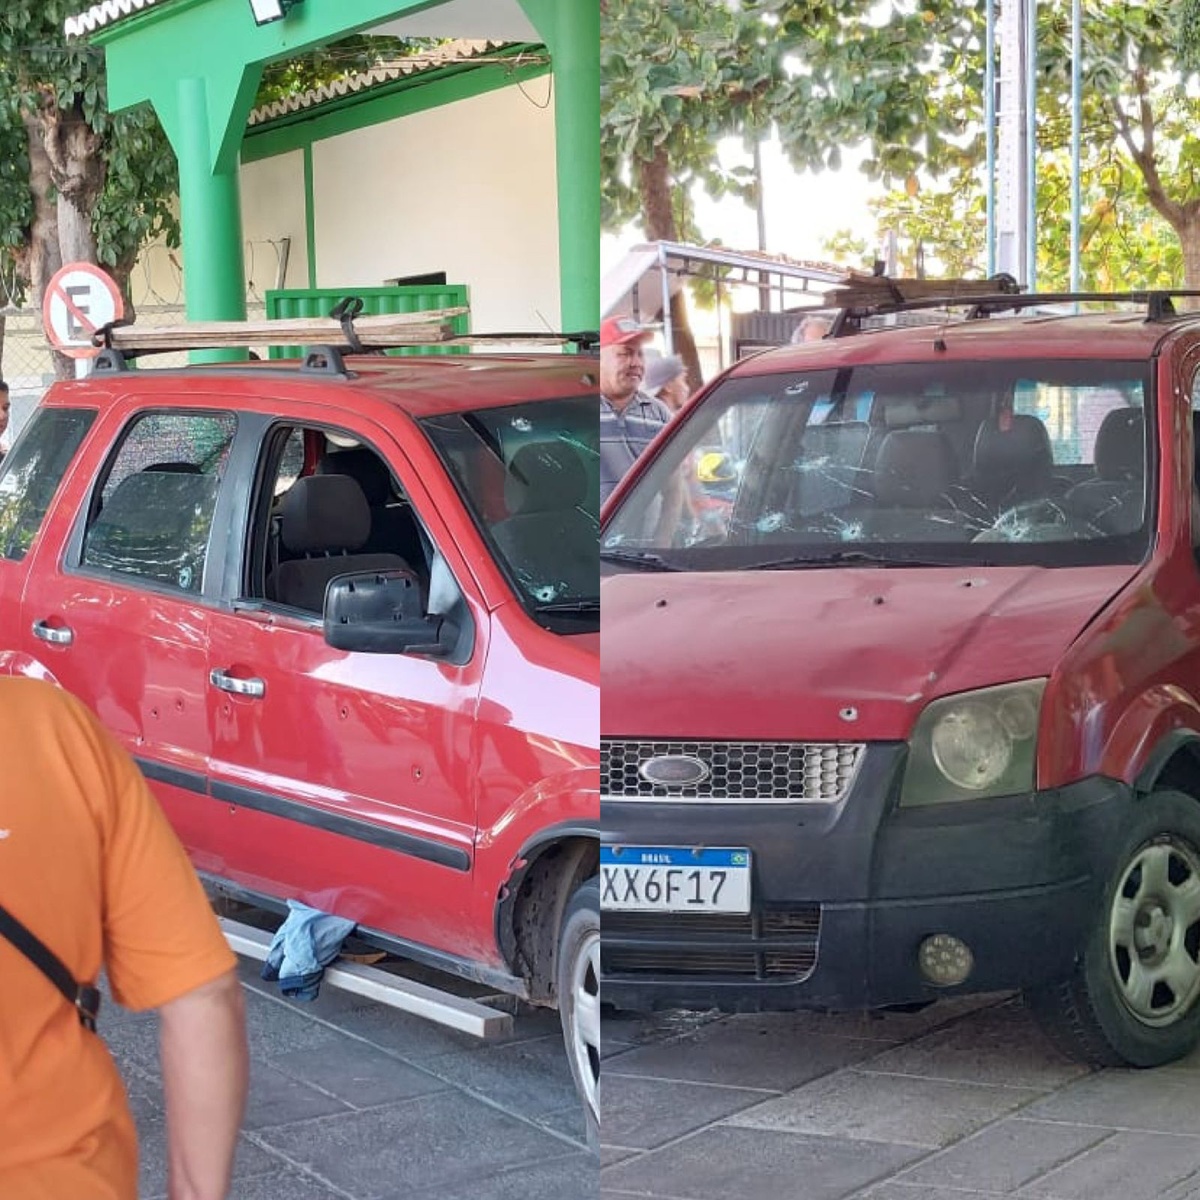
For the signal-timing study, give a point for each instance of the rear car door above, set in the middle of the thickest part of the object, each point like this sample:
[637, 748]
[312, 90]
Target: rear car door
[349, 776]
[116, 608]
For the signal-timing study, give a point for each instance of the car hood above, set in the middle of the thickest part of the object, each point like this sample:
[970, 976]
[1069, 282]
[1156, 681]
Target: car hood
[840, 654]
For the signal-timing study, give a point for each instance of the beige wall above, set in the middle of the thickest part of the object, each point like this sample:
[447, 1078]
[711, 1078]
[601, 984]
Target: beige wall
[272, 210]
[468, 189]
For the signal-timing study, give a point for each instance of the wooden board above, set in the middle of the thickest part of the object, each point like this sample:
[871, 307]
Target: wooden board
[393, 329]
[865, 291]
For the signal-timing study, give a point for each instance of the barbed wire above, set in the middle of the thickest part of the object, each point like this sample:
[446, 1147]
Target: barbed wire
[27, 365]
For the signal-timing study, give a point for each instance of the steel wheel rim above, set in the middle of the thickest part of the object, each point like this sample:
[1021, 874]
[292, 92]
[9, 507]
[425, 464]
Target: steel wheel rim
[585, 1018]
[1154, 932]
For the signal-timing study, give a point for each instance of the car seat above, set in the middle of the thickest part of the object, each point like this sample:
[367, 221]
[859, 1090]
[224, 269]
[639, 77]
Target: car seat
[550, 536]
[915, 473]
[155, 525]
[1113, 502]
[394, 529]
[1012, 463]
[324, 521]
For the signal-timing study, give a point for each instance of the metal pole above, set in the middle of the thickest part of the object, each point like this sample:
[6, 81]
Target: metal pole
[1031, 142]
[1076, 139]
[989, 120]
[575, 53]
[665, 275]
[1012, 140]
[764, 280]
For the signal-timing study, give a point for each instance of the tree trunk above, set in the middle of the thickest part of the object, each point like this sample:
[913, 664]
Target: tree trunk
[658, 220]
[121, 272]
[1189, 239]
[45, 257]
[77, 171]
[76, 242]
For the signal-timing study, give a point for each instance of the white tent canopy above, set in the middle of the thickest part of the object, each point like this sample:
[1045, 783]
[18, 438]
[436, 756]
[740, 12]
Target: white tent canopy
[645, 279]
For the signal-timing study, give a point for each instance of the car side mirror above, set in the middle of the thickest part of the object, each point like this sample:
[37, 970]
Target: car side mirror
[380, 612]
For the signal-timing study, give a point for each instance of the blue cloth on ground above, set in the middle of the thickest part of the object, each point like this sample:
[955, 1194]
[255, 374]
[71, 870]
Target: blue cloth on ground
[303, 946]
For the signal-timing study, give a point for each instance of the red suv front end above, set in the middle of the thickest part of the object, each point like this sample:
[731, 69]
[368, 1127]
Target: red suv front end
[917, 712]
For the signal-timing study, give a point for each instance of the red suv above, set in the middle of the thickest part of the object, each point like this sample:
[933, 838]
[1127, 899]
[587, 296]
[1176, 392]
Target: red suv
[345, 616]
[901, 679]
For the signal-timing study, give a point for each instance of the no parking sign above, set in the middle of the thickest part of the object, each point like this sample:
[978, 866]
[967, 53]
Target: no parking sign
[80, 299]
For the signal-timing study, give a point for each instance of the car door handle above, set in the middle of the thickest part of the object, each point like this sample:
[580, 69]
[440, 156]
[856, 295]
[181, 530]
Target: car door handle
[59, 635]
[239, 687]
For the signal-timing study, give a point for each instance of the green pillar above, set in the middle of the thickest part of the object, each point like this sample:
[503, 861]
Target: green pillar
[571, 29]
[210, 210]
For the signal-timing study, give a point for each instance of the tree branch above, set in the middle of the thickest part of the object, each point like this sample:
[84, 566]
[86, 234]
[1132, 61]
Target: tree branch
[1144, 154]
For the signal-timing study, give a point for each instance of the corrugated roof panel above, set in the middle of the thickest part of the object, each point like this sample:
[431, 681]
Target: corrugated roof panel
[458, 51]
[106, 13]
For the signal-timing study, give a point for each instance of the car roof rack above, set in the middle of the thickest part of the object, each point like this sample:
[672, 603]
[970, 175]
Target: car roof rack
[344, 330]
[867, 296]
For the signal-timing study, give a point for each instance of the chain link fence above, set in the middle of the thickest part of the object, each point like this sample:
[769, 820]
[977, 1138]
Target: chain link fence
[26, 362]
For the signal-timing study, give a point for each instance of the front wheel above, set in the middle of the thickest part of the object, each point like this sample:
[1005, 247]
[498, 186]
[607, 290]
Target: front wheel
[578, 983]
[1133, 998]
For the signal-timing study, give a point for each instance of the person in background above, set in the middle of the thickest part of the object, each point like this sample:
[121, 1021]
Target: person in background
[5, 405]
[811, 329]
[666, 380]
[91, 869]
[630, 419]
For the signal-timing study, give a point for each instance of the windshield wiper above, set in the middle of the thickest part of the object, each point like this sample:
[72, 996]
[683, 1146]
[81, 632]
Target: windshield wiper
[866, 558]
[643, 559]
[568, 606]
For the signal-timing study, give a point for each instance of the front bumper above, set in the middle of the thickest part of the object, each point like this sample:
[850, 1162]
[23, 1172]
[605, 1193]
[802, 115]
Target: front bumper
[843, 895]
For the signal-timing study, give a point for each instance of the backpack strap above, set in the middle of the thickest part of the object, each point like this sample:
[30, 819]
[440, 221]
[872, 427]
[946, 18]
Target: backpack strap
[82, 996]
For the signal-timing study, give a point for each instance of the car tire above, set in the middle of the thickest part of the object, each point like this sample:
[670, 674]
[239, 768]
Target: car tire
[1134, 999]
[578, 983]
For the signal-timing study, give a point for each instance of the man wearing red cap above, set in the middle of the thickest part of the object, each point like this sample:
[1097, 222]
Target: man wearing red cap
[629, 418]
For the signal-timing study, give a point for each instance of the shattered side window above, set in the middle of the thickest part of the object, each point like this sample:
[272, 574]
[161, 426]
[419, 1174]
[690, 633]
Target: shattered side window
[152, 519]
[32, 472]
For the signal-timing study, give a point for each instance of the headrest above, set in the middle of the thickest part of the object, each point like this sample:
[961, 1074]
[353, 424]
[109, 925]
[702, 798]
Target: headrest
[321, 513]
[545, 477]
[174, 468]
[1012, 450]
[914, 468]
[363, 465]
[1121, 445]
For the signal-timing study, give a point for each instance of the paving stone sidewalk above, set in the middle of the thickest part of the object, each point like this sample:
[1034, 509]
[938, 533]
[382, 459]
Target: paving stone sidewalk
[353, 1101]
[962, 1100]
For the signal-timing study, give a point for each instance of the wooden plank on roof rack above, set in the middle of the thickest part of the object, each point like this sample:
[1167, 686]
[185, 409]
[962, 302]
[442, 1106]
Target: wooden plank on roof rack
[863, 291]
[521, 342]
[390, 329]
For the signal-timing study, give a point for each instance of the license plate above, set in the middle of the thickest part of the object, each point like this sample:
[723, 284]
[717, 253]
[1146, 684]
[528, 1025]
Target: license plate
[674, 879]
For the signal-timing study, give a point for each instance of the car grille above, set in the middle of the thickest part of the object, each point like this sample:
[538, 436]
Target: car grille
[762, 771]
[775, 945]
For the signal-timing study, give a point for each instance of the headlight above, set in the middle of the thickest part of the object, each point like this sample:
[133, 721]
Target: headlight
[970, 746]
[973, 745]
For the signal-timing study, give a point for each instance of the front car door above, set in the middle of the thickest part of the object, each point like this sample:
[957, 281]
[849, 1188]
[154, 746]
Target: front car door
[349, 776]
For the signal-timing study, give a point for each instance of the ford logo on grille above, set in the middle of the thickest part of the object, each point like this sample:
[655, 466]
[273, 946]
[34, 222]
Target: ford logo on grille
[674, 770]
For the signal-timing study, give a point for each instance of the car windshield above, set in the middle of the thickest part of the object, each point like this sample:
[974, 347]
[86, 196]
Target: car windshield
[1000, 462]
[530, 475]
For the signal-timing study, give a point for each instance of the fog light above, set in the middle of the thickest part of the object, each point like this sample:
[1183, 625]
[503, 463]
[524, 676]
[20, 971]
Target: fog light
[944, 960]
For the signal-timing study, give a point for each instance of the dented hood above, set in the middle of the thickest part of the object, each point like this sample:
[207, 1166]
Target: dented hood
[831, 654]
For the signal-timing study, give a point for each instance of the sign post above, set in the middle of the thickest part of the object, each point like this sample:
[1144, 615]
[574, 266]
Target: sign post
[80, 299]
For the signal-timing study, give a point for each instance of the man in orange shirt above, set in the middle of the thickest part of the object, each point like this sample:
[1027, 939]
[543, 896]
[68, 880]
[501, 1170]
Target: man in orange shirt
[90, 867]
